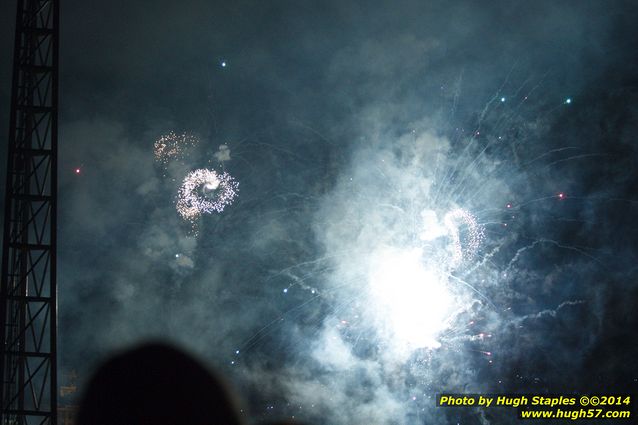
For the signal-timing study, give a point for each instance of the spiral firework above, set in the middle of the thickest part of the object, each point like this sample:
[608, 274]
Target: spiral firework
[204, 191]
[474, 234]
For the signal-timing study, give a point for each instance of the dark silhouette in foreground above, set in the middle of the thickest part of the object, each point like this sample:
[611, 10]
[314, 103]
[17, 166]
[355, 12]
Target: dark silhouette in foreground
[155, 384]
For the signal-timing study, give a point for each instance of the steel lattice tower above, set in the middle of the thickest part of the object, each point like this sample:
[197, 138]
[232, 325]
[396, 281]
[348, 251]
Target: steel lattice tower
[28, 292]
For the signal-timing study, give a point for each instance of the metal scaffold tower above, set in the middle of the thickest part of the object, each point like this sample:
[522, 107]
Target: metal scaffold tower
[28, 292]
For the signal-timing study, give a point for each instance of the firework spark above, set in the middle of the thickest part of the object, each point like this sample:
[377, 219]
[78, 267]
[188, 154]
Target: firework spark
[204, 191]
[473, 234]
[462, 231]
[172, 146]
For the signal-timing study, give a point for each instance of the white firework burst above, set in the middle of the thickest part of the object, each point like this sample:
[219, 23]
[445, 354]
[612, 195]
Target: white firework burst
[412, 298]
[473, 234]
[461, 230]
[204, 191]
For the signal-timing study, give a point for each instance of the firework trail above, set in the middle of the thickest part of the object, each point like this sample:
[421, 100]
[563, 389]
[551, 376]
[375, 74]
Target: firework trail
[204, 191]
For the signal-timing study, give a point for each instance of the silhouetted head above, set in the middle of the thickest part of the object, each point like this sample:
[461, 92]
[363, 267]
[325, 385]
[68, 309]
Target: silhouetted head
[155, 384]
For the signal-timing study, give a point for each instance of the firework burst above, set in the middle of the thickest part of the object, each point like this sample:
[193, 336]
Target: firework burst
[412, 297]
[204, 191]
[455, 220]
[173, 146]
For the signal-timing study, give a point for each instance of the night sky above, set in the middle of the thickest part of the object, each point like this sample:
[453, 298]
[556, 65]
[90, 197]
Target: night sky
[433, 196]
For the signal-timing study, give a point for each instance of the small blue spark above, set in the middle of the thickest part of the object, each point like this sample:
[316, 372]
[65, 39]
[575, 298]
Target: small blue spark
[502, 99]
[223, 64]
[568, 100]
[285, 290]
